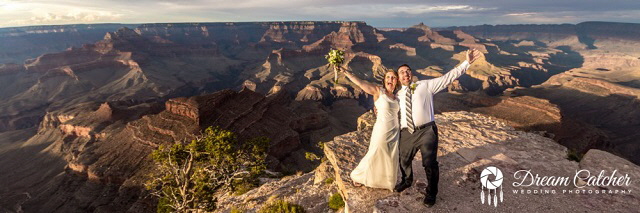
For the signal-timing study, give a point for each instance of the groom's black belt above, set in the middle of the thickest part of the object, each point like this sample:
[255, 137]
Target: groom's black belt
[432, 123]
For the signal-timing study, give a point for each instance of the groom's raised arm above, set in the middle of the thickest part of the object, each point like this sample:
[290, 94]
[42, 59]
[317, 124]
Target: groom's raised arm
[438, 84]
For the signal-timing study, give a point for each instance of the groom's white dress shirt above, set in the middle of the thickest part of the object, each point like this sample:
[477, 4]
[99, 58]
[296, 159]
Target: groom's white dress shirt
[422, 98]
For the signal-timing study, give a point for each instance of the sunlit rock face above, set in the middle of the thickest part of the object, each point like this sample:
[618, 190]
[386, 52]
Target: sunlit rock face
[468, 143]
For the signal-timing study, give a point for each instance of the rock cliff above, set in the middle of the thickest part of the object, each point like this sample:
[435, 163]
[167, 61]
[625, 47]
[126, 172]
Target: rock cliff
[162, 61]
[594, 71]
[101, 150]
[468, 143]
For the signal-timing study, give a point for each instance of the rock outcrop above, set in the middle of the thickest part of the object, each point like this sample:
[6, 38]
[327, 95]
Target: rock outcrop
[246, 113]
[587, 72]
[469, 142]
[101, 150]
[299, 189]
[596, 114]
[171, 60]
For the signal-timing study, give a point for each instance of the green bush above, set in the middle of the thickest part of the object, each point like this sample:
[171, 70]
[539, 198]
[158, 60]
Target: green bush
[281, 206]
[244, 185]
[328, 180]
[336, 202]
[323, 159]
[311, 156]
[320, 145]
[187, 176]
[163, 206]
[574, 155]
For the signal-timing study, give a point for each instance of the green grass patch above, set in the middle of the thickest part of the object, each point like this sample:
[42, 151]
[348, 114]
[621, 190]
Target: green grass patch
[281, 206]
[311, 156]
[243, 186]
[335, 201]
[574, 155]
[328, 180]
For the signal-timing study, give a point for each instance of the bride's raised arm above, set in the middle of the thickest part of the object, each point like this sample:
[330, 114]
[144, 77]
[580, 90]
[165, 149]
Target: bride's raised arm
[368, 87]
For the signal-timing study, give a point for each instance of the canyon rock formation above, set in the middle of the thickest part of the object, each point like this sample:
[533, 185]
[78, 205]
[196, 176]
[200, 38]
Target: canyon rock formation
[95, 156]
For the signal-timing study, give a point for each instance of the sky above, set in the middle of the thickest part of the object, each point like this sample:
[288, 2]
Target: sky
[377, 13]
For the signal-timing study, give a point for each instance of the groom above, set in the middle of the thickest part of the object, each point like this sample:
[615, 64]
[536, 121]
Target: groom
[418, 129]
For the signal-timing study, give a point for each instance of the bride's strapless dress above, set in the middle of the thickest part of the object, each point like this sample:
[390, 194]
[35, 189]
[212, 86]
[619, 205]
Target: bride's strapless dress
[379, 167]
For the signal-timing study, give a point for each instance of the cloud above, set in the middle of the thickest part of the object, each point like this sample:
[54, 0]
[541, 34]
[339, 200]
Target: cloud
[520, 14]
[69, 18]
[75, 17]
[360, 12]
[422, 9]
[20, 13]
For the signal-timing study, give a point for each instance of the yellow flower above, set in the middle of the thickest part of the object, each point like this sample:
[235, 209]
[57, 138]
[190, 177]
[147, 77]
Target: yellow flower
[413, 87]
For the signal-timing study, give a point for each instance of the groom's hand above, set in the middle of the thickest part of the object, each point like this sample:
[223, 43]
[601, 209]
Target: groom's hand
[472, 55]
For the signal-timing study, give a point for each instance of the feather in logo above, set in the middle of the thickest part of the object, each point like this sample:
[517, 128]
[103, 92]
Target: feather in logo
[491, 185]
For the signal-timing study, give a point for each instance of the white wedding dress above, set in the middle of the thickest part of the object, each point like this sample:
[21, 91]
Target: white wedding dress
[379, 167]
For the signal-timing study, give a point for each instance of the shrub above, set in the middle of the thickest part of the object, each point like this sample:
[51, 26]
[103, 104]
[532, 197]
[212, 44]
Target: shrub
[281, 206]
[328, 180]
[244, 185]
[324, 158]
[574, 155]
[335, 201]
[311, 156]
[187, 177]
[320, 145]
[163, 206]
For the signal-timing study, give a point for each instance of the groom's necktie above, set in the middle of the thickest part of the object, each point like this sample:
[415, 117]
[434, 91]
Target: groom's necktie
[411, 127]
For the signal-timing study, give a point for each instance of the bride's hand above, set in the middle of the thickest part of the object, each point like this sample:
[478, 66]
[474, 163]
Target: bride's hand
[367, 87]
[342, 69]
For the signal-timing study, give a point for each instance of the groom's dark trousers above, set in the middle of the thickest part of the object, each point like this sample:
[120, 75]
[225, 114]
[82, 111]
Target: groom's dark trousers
[425, 139]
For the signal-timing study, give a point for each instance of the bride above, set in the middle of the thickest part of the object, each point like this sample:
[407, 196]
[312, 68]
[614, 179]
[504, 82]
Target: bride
[379, 167]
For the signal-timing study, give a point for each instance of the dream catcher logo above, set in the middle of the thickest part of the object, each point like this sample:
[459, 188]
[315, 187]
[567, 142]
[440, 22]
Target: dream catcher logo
[491, 185]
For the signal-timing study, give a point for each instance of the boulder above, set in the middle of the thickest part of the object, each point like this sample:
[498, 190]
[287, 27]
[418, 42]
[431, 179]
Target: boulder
[470, 142]
[296, 189]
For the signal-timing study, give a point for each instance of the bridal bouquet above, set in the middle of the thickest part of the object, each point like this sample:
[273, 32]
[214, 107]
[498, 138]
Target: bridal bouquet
[335, 59]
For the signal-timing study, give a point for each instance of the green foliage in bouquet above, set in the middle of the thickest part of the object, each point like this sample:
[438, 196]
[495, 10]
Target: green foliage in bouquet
[187, 176]
[335, 59]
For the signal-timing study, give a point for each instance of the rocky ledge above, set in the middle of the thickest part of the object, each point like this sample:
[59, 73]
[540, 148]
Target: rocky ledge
[469, 142]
